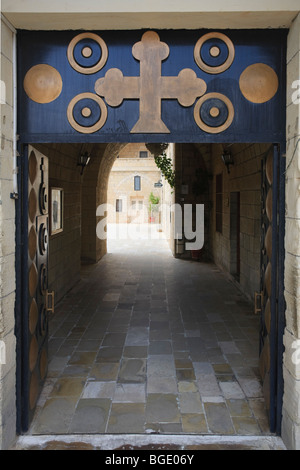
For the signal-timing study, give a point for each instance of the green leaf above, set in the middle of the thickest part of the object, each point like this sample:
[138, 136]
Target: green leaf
[165, 165]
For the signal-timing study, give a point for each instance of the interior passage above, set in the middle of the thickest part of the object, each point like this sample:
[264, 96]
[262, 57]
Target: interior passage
[147, 343]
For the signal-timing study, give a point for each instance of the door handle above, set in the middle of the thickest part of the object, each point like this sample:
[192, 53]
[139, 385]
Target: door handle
[50, 301]
[258, 295]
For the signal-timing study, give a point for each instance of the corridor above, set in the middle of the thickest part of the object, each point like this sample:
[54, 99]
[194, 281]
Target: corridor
[147, 343]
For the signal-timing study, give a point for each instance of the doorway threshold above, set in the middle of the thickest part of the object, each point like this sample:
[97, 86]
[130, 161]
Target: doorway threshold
[135, 442]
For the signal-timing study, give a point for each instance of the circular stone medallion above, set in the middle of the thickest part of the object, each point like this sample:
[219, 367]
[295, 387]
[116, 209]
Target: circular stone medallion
[258, 83]
[43, 83]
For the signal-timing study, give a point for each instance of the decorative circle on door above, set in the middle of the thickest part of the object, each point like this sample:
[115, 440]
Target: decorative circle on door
[32, 204]
[87, 53]
[87, 113]
[32, 242]
[33, 353]
[43, 83]
[213, 113]
[43, 196]
[268, 242]
[32, 167]
[267, 279]
[269, 168]
[43, 279]
[43, 320]
[33, 390]
[43, 239]
[258, 83]
[269, 204]
[214, 52]
[32, 279]
[33, 316]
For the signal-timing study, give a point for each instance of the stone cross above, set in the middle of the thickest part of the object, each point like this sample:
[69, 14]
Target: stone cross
[150, 87]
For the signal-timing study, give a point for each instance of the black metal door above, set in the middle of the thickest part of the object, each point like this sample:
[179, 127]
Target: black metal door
[271, 283]
[36, 301]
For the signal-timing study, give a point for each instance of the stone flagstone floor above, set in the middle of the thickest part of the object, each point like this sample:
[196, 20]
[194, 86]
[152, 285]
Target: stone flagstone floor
[147, 343]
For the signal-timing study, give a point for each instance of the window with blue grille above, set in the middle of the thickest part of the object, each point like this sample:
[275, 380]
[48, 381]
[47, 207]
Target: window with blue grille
[137, 183]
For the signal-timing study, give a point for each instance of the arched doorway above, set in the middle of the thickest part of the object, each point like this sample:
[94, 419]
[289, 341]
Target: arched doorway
[213, 115]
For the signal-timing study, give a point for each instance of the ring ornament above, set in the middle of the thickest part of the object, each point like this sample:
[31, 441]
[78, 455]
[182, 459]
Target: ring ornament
[208, 68]
[89, 129]
[99, 65]
[213, 129]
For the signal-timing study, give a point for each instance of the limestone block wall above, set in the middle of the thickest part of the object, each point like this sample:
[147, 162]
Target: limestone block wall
[7, 240]
[291, 367]
[88, 204]
[244, 178]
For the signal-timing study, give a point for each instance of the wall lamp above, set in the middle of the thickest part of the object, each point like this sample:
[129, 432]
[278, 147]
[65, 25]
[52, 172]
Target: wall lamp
[227, 159]
[83, 161]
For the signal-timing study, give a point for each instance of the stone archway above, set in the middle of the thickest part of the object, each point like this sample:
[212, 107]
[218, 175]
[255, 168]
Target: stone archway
[94, 193]
[214, 120]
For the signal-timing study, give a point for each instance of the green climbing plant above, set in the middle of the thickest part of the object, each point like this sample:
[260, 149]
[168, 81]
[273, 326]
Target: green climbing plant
[164, 163]
[154, 200]
[153, 203]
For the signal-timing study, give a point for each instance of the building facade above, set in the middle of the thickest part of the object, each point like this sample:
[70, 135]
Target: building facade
[83, 194]
[134, 176]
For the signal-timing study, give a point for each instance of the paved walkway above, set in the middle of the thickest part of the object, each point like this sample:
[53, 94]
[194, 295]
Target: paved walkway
[147, 343]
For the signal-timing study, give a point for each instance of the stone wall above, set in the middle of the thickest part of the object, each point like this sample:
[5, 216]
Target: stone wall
[244, 178]
[7, 242]
[83, 194]
[291, 368]
[65, 247]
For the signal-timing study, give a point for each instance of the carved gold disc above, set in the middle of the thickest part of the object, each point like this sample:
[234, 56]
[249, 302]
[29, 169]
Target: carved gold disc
[258, 83]
[43, 83]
